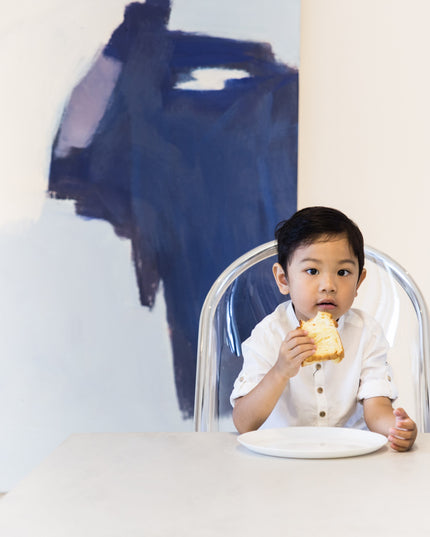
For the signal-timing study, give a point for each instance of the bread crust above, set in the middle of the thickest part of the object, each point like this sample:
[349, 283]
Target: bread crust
[323, 330]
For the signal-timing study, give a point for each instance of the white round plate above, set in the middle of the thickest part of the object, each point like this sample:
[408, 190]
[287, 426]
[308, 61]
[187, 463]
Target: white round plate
[312, 442]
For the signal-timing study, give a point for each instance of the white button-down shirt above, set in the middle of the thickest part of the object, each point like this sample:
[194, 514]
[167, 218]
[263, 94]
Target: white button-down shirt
[326, 393]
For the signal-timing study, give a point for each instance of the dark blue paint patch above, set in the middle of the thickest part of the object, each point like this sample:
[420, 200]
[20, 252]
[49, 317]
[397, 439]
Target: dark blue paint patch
[193, 178]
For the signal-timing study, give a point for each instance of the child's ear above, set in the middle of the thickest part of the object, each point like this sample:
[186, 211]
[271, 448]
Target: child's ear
[280, 278]
[360, 280]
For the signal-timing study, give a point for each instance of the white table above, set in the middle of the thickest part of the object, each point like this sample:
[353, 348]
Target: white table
[206, 484]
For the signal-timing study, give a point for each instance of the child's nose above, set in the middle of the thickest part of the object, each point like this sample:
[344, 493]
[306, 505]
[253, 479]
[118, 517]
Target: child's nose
[327, 283]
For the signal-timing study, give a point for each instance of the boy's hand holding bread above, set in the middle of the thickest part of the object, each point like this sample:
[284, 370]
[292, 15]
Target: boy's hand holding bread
[323, 330]
[313, 341]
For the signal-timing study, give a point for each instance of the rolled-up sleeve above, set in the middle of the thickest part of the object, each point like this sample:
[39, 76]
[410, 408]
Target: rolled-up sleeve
[376, 378]
[259, 353]
[243, 385]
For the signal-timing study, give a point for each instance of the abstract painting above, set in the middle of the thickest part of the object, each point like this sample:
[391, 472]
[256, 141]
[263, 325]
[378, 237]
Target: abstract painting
[186, 143]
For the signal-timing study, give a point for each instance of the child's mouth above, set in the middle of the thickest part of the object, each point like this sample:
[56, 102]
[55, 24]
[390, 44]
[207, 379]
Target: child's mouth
[326, 305]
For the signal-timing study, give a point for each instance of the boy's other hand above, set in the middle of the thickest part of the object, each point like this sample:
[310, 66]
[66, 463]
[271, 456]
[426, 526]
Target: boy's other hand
[296, 347]
[402, 436]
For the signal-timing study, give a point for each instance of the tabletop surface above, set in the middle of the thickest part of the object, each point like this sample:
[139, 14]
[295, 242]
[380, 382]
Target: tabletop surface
[207, 484]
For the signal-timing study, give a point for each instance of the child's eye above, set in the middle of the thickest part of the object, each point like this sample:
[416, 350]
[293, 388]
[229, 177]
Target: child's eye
[343, 272]
[312, 271]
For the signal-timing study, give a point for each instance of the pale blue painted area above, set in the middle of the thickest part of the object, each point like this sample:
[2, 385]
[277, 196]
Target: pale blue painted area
[273, 21]
[77, 350]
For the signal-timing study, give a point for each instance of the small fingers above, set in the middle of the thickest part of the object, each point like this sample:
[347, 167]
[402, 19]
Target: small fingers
[400, 414]
[295, 348]
[299, 352]
[402, 439]
[403, 435]
[306, 352]
[297, 338]
[405, 425]
[297, 334]
[400, 445]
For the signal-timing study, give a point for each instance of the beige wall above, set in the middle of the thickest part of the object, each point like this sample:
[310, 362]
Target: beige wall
[365, 120]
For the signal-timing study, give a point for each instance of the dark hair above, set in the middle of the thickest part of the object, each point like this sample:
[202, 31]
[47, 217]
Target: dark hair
[312, 223]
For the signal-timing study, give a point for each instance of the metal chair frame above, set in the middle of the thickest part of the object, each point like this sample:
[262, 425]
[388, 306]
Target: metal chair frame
[206, 394]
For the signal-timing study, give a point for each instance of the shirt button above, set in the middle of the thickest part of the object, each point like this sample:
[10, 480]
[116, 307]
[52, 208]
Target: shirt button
[320, 390]
[241, 379]
[322, 414]
[389, 378]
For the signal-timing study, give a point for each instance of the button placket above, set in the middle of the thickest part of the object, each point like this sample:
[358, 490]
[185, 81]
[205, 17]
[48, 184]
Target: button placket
[321, 400]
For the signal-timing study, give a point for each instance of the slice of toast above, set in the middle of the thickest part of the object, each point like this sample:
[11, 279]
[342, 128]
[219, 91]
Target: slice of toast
[323, 330]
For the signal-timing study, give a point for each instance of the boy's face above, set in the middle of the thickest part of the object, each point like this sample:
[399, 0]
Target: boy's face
[322, 276]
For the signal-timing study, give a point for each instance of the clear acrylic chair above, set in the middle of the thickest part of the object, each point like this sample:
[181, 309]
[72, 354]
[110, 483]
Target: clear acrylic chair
[246, 291]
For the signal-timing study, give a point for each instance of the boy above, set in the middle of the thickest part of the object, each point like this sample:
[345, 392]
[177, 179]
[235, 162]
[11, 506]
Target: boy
[321, 266]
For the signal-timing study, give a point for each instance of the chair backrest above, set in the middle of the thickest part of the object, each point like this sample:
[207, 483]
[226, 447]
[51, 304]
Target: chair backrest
[246, 291]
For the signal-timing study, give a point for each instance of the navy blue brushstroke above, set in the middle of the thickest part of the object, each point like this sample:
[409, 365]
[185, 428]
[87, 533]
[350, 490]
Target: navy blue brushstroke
[193, 178]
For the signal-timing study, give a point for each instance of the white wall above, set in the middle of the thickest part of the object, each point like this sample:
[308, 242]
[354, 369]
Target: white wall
[364, 126]
[364, 120]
